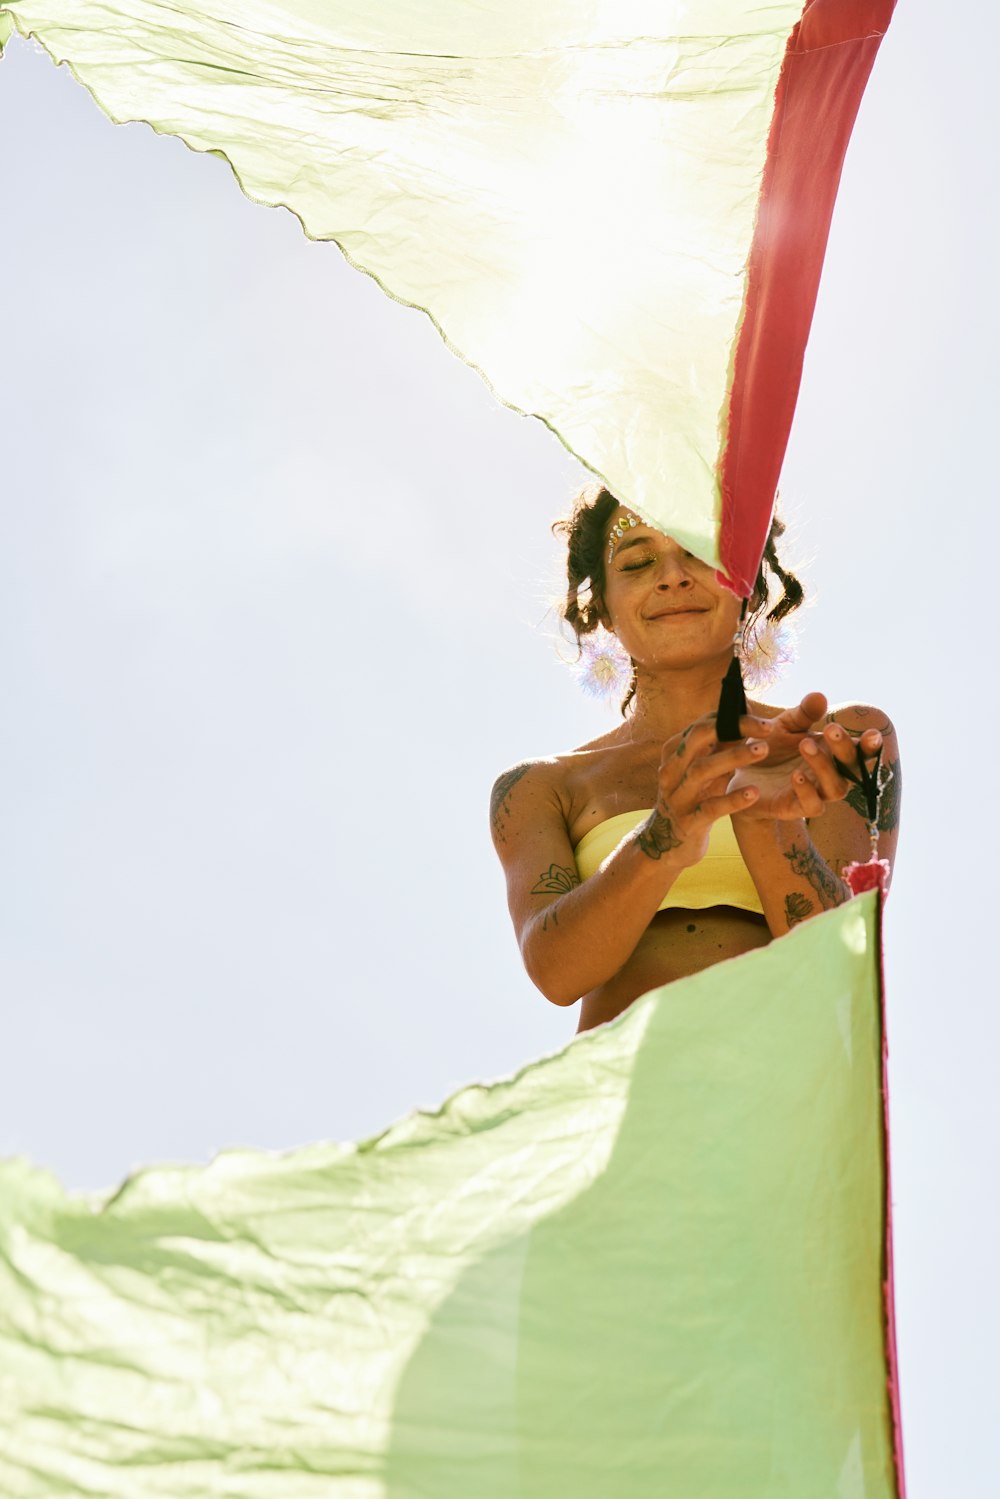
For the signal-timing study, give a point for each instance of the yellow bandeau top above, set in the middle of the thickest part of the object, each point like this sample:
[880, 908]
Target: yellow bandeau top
[720, 879]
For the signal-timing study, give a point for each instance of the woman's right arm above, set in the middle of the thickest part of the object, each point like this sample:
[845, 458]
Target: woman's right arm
[574, 936]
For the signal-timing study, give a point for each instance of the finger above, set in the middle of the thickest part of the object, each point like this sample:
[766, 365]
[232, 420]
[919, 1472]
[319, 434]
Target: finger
[678, 754]
[714, 807]
[752, 727]
[823, 771]
[840, 742]
[808, 797]
[722, 762]
[696, 739]
[810, 710]
[813, 706]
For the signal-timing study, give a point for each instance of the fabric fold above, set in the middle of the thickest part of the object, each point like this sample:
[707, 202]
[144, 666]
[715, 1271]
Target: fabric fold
[651, 1261]
[590, 200]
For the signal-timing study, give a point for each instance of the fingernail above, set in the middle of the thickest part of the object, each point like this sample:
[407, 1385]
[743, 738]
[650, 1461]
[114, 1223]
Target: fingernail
[749, 794]
[758, 749]
[808, 748]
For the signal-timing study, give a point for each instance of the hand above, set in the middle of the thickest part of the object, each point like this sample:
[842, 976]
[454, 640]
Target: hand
[801, 776]
[694, 786]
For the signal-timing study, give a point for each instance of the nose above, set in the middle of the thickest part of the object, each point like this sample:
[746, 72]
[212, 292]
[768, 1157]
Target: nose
[672, 570]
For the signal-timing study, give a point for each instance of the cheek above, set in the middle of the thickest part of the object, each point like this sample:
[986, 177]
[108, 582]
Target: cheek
[729, 612]
[611, 599]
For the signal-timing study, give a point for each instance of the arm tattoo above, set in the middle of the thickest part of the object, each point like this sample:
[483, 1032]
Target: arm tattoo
[806, 863]
[500, 797]
[557, 877]
[797, 908]
[888, 803]
[657, 836]
[861, 712]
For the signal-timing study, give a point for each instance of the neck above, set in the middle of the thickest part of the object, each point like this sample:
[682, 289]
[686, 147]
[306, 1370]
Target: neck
[666, 702]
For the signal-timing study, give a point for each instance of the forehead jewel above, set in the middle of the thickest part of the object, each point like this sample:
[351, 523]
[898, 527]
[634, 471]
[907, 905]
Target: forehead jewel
[625, 523]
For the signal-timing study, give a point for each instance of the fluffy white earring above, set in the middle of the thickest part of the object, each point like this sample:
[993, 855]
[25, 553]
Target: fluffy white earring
[764, 650]
[603, 668]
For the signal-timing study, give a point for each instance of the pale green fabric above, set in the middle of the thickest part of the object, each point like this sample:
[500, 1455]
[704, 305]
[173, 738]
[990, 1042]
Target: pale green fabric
[533, 175]
[647, 1265]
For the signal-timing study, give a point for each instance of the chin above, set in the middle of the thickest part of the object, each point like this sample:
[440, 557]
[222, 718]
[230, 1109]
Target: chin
[682, 660]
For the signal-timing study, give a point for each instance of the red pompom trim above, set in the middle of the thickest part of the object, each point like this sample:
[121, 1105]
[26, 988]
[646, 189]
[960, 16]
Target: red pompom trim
[871, 876]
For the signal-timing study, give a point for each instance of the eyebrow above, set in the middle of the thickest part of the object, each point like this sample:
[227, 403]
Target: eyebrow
[631, 541]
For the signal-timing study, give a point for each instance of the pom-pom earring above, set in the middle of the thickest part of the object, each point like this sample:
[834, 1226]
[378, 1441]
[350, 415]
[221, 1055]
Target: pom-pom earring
[603, 667]
[764, 650]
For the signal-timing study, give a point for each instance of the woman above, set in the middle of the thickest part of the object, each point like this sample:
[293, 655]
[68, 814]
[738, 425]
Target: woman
[656, 850]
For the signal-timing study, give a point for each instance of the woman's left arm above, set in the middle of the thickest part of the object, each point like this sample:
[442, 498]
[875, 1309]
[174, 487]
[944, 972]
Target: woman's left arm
[814, 821]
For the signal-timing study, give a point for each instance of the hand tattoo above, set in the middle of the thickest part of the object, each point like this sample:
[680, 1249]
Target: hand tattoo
[657, 836]
[797, 908]
[806, 863]
[557, 877]
[500, 797]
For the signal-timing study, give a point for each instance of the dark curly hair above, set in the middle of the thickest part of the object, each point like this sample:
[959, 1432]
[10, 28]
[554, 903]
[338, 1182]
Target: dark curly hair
[585, 530]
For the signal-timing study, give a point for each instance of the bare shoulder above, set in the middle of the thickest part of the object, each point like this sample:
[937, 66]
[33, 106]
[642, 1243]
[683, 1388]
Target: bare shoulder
[551, 782]
[532, 783]
[857, 717]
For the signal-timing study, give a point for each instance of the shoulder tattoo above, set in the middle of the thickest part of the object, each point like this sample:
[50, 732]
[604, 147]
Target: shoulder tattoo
[888, 801]
[885, 727]
[500, 797]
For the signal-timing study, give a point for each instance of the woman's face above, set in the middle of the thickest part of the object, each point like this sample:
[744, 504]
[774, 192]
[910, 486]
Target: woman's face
[666, 607]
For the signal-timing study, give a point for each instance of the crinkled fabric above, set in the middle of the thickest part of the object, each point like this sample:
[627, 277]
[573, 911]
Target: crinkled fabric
[652, 1263]
[572, 190]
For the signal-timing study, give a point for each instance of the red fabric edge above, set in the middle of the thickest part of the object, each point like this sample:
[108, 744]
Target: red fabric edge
[888, 1293]
[827, 62]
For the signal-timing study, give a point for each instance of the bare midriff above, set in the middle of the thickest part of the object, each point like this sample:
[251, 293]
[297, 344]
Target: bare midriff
[675, 944]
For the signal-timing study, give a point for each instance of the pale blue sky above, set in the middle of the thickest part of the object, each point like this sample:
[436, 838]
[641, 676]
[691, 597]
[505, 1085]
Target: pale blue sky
[274, 587]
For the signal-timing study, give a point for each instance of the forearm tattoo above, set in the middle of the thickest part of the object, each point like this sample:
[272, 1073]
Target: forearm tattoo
[797, 908]
[657, 836]
[808, 865]
[500, 798]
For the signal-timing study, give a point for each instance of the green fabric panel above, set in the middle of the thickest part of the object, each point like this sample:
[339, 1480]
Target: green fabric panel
[568, 189]
[649, 1264]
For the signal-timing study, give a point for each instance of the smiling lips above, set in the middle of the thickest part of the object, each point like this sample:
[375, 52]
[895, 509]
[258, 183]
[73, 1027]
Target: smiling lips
[672, 613]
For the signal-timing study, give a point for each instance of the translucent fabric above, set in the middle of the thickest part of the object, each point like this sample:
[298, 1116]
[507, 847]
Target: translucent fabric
[649, 1264]
[571, 190]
